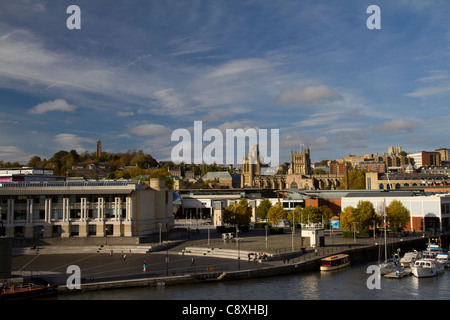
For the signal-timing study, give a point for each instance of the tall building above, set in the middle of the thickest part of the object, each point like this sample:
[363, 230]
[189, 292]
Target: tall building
[300, 163]
[426, 158]
[445, 154]
[99, 148]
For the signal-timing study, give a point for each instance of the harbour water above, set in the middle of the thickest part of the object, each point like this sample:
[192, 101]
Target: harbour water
[346, 284]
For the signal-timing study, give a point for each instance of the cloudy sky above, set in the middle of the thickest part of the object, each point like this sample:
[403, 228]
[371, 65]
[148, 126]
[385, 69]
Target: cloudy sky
[138, 70]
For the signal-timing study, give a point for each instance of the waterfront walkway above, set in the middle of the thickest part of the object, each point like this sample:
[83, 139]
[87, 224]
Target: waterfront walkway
[282, 249]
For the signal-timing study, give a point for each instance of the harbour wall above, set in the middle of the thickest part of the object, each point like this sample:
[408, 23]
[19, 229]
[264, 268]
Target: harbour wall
[357, 255]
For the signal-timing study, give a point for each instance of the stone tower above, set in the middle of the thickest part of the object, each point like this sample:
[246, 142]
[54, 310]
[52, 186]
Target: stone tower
[99, 148]
[300, 163]
[251, 167]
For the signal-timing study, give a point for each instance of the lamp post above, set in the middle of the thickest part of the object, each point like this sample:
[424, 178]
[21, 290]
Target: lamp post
[160, 225]
[267, 227]
[354, 232]
[293, 229]
[239, 251]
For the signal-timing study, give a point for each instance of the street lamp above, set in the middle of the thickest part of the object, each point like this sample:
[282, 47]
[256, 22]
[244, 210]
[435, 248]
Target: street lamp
[293, 229]
[354, 232]
[239, 249]
[267, 227]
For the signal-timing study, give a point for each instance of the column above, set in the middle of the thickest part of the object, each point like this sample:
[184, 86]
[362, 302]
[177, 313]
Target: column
[83, 208]
[129, 208]
[117, 208]
[66, 210]
[29, 210]
[10, 212]
[101, 209]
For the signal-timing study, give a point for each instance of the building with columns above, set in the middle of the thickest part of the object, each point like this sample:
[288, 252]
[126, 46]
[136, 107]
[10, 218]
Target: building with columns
[38, 209]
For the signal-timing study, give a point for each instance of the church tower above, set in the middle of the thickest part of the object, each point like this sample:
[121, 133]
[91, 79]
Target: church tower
[300, 163]
[251, 167]
[99, 148]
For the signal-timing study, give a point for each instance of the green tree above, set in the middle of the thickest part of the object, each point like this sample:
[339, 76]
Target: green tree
[347, 217]
[397, 214]
[239, 214]
[263, 208]
[312, 214]
[295, 215]
[327, 213]
[276, 213]
[356, 180]
[366, 214]
[242, 213]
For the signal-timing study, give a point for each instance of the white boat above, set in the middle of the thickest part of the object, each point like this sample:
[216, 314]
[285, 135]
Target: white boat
[443, 258]
[434, 248]
[389, 266]
[409, 258]
[335, 262]
[424, 268]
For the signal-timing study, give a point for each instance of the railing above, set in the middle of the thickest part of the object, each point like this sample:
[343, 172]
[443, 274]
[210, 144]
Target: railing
[67, 184]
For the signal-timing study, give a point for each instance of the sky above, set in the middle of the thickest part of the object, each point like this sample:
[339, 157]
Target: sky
[136, 71]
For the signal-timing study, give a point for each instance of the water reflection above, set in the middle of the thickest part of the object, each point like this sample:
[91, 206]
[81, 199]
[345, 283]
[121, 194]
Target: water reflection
[349, 284]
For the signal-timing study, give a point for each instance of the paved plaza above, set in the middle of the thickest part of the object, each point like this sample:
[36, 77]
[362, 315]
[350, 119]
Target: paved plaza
[97, 267]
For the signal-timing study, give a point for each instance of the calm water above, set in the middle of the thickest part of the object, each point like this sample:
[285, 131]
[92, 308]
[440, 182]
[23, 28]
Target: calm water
[349, 284]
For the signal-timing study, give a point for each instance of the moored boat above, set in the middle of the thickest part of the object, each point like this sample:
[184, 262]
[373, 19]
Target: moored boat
[443, 258]
[389, 266]
[335, 262]
[424, 268]
[409, 258]
[27, 291]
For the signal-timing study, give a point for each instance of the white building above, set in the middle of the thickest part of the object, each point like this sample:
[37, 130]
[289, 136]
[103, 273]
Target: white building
[85, 209]
[426, 210]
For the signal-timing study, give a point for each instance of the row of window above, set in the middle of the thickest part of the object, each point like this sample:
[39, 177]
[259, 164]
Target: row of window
[57, 214]
[59, 198]
[38, 231]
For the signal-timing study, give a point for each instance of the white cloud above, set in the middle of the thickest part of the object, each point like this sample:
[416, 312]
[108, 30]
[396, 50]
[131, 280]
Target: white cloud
[55, 105]
[241, 67]
[396, 125]
[150, 130]
[430, 91]
[68, 141]
[13, 154]
[309, 95]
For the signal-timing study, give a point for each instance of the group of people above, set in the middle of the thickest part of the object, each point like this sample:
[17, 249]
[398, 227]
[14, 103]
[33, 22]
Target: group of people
[262, 256]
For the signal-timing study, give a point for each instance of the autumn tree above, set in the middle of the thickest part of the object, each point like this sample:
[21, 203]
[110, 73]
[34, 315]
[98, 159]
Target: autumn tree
[356, 180]
[295, 216]
[348, 216]
[239, 214]
[397, 214]
[363, 215]
[263, 208]
[276, 213]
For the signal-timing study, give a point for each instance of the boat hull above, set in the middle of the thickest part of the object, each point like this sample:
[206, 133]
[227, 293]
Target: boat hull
[335, 262]
[29, 293]
[427, 272]
[341, 266]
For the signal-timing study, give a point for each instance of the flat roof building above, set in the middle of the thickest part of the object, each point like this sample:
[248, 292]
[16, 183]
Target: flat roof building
[428, 210]
[120, 208]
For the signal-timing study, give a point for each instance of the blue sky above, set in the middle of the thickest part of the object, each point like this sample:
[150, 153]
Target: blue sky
[138, 70]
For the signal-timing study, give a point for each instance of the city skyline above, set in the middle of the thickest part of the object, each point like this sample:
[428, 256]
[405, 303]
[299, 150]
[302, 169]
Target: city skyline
[135, 73]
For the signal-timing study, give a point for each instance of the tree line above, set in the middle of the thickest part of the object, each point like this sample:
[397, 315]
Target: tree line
[364, 216]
